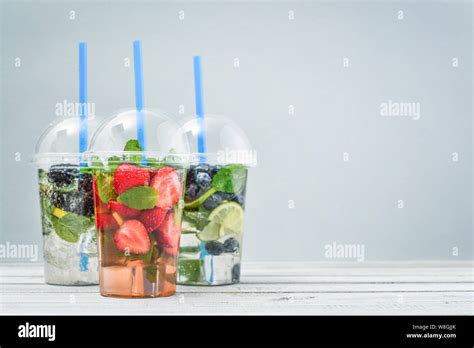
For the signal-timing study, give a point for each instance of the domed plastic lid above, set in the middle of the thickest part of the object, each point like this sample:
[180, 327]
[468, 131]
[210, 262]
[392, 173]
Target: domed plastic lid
[158, 136]
[223, 141]
[60, 142]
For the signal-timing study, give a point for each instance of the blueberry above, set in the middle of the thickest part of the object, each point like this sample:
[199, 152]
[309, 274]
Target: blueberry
[203, 180]
[239, 199]
[212, 202]
[75, 202]
[215, 169]
[62, 174]
[191, 191]
[226, 196]
[231, 245]
[236, 273]
[85, 183]
[58, 199]
[191, 175]
[88, 209]
[214, 248]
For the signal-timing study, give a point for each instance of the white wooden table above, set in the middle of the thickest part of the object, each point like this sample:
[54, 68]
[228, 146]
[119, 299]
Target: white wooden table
[266, 288]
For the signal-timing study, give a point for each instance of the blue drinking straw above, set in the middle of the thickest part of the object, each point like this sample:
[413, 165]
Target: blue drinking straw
[201, 138]
[137, 62]
[83, 136]
[83, 131]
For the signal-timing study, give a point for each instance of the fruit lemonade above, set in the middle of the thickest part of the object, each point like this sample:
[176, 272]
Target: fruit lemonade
[138, 218]
[67, 216]
[212, 229]
[66, 195]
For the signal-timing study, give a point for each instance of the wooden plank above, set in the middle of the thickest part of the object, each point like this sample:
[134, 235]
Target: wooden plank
[244, 303]
[33, 270]
[323, 279]
[243, 287]
[266, 288]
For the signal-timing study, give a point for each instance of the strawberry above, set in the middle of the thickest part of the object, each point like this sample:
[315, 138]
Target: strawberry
[132, 237]
[105, 221]
[169, 233]
[123, 210]
[152, 218]
[166, 182]
[128, 175]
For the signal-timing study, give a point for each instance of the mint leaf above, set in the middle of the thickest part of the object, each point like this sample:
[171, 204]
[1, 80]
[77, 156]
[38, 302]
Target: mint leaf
[113, 162]
[105, 186]
[132, 145]
[96, 163]
[150, 273]
[197, 218]
[230, 179]
[86, 170]
[71, 226]
[46, 209]
[140, 197]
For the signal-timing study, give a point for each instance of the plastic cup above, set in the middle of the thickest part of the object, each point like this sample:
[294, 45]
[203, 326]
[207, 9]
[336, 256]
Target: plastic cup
[213, 220]
[138, 204]
[67, 206]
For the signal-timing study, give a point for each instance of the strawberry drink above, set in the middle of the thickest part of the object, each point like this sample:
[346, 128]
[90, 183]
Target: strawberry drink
[138, 220]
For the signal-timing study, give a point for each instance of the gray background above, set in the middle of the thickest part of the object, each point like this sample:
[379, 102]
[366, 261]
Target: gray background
[282, 63]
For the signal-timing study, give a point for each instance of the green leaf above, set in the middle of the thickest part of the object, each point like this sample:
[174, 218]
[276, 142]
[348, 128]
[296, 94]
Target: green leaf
[140, 197]
[197, 218]
[86, 170]
[95, 164]
[132, 145]
[105, 186]
[230, 179]
[113, 162]
[71, 226]
[150, 273]
[46, 209]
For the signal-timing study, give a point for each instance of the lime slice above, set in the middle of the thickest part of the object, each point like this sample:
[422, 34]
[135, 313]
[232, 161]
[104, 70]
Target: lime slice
[210, 232]
[226, 219]
[230, 217]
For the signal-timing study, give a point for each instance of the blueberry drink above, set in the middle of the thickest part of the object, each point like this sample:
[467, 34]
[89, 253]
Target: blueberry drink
[211, 239]
[67, 216]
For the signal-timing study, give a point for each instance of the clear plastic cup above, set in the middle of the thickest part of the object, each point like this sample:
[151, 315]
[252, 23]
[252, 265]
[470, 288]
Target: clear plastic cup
[67, 206]
[138, 193]
[213, 220]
